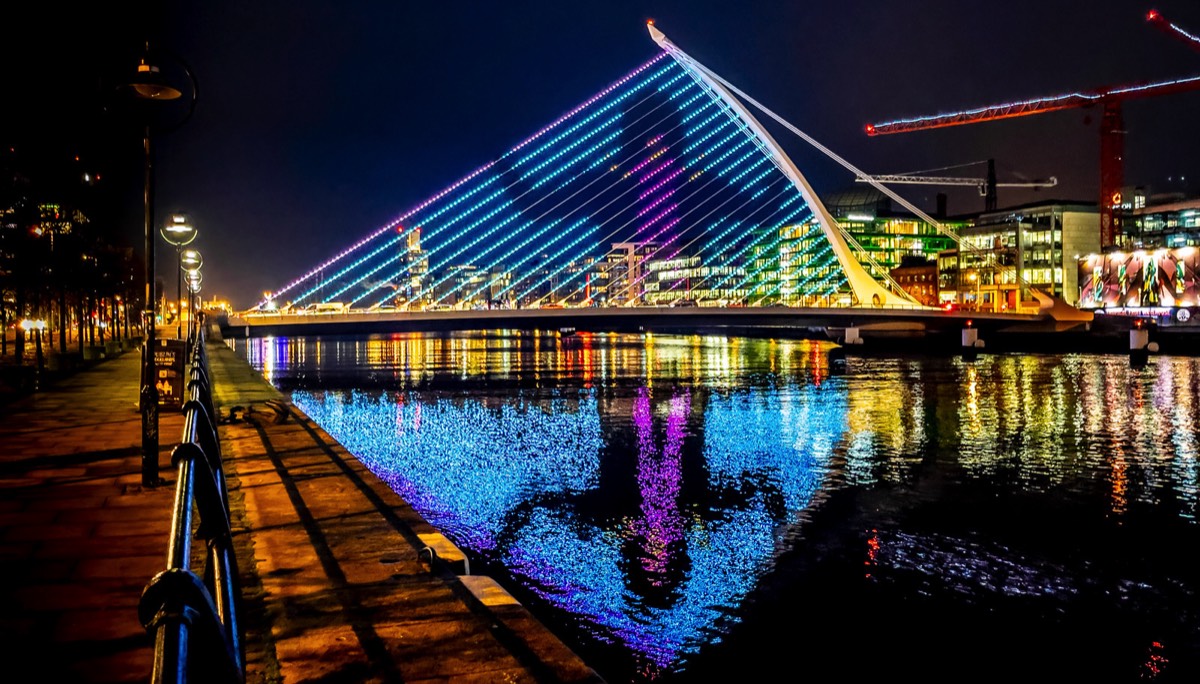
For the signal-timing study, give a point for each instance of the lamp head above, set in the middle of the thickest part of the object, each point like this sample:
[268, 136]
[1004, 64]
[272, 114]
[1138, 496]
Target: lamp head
[178, 231]
[148, 83]
[191, 260]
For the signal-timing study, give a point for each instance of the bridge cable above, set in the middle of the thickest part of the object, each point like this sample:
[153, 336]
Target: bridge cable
[847, 165]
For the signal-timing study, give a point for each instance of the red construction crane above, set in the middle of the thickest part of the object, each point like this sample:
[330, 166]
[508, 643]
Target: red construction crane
[1112, 127]
[1159, 21]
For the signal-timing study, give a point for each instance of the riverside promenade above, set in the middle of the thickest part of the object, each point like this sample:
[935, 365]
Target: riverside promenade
[341, 580]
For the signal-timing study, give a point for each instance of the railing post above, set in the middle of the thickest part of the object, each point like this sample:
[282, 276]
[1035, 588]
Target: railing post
[195, 622]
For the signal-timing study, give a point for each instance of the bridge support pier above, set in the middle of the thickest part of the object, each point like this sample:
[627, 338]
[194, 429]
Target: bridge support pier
[970, 338]
[851, 336]
[971, 344]
[1139, 339]
[1140, 346]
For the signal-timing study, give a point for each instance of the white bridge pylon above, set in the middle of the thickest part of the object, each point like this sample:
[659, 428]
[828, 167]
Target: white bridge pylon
[867, 290]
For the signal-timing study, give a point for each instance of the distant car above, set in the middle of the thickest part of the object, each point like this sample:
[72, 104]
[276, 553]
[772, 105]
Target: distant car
[327, 307]
[683, 303]
[950, 307]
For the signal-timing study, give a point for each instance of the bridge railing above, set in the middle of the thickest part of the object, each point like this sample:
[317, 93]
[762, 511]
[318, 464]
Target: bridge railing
[195, 619]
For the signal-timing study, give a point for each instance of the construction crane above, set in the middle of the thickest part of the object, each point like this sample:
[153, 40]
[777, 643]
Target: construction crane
[1112, 130]
[1173, 30]
[987, 186]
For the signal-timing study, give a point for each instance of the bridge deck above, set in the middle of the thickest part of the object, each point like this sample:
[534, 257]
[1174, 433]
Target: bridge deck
[622, 319]
[880, 329]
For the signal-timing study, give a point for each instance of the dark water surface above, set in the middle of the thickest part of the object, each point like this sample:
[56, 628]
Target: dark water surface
[702, 509]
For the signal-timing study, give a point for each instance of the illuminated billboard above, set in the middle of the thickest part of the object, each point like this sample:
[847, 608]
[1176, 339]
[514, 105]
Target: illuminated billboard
[1159, 278]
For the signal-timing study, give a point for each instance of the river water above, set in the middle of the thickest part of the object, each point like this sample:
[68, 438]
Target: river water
[707, 509]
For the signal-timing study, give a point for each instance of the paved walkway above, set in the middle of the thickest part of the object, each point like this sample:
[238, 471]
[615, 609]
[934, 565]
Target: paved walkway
[342, 581]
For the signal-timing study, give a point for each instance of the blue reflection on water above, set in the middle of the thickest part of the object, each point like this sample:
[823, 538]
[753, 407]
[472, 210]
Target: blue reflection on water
[674, 499]
[504, 479]
[466, 467]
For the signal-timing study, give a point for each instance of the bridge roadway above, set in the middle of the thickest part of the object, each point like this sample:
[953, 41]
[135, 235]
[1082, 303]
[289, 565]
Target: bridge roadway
[877, 328]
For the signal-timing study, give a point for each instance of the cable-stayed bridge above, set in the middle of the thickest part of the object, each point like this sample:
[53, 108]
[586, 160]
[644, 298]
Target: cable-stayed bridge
[661, 190]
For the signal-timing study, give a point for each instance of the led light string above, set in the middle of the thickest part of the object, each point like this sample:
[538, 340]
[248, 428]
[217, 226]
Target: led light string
[697, 225]
[536, 136]
[546, 147]
[617, 166]
[499, 243]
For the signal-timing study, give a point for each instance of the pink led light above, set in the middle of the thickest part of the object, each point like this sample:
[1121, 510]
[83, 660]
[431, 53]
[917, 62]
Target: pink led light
[641, 165]
[334, 260]
[650, 207]
[664, 181]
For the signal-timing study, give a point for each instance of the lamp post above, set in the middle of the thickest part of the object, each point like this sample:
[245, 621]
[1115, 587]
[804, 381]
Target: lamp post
[191, 261]
[39, 325]
[179, 231]
[148, 85]
[194, 278]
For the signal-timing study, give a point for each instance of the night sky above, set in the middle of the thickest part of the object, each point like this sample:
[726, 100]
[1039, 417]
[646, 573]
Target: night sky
[317, 123]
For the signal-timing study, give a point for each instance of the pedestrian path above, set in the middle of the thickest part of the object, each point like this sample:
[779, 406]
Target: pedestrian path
[79, 536]
[342, 580]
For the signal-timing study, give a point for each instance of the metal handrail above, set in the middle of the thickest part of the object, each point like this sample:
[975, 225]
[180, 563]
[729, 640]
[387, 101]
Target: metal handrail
[195, 620]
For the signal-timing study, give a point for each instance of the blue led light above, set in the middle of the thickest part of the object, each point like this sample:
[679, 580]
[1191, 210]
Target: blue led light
[655, 158]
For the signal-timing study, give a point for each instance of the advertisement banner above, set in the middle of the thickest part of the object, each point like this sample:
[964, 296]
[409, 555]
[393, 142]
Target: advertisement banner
[169, 356]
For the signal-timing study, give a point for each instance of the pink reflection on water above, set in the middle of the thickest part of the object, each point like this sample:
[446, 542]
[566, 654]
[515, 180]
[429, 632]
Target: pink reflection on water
[661, 526]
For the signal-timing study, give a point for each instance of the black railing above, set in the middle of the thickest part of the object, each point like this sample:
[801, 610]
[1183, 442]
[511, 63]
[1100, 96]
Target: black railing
[194, 619]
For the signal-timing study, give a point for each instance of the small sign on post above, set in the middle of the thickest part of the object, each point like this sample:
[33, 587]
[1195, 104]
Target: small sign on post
[168, 371]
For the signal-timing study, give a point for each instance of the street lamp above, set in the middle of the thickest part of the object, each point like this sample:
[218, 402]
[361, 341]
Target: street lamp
[194, 278]
[191, 261]
[178, 231]
[149, 85]
[38, 325]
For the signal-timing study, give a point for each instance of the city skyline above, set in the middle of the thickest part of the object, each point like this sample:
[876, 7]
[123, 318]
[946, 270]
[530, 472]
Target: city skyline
[315, 126]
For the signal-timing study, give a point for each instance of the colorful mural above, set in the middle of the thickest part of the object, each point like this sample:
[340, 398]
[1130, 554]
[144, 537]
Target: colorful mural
[1160, 278]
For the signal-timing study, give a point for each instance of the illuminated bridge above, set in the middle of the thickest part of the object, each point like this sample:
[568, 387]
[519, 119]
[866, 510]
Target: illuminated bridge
[660, 196]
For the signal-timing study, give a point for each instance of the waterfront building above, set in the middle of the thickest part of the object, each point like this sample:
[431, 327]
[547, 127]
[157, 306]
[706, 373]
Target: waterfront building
[468, 278]
[687, 278]
[415, 266]
[1041, 241]
[785, 265]
[1155, 272]
[1151, 222]
[622, 273]
[918, 277]
[888, 235]
[1038, 240]
[573, 285]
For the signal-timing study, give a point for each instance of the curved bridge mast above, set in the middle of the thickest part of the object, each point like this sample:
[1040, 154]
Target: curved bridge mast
[866, 289]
